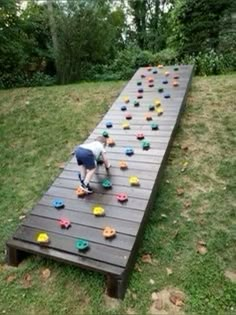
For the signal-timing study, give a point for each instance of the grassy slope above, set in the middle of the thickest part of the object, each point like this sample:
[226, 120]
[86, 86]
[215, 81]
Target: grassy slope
[40, 126]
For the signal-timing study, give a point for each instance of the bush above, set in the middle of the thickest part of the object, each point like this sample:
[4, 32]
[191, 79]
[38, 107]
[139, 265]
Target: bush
[21, 79]
[212, 63]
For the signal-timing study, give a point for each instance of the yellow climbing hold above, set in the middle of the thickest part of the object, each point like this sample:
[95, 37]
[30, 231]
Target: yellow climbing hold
[98, 211]
[133, 180]
[159, 111]
[125, 125]
[42, 238]
[157, 103]
[126, 99]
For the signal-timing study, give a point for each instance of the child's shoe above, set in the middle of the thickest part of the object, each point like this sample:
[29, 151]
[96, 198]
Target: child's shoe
[86, 188]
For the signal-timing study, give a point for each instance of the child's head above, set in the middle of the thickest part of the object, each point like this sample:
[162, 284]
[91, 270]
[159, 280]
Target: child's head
[102, 139]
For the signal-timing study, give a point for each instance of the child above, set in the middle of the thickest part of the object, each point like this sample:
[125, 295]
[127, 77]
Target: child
[87, 155]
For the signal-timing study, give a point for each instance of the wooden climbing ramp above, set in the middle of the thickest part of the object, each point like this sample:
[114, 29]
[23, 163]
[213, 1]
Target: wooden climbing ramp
[154, 100]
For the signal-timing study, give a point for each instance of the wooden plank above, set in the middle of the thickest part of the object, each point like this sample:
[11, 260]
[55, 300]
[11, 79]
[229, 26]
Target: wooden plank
[71, 259]
[139, 192]
[87, 219]
[66, 244]
[112, 210]
[132, 203]
[94, 235]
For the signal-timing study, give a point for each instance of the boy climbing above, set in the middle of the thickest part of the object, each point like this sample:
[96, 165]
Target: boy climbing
[87, 155]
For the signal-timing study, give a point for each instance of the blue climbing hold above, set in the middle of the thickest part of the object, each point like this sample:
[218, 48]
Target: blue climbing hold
[167, 96]
[58, 203]
[109, 124]
[165, 81]
[123, 107]
[129, 151]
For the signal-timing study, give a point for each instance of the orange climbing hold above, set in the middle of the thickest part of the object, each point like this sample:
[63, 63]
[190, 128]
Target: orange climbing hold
[110, 142]
[80, 192]
[109, 232]
[123, 165]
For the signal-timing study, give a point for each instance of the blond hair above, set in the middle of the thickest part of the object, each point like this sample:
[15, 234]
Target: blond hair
[102, 139]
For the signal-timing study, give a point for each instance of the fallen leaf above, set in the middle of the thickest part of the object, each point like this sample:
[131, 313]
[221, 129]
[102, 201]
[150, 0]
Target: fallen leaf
[184, 147]
[177, 298]
[21, 217]
[180, 191]
[27, 281]
[163, 215]
[137, 268]
[46, 273]
[130, 311]
[230, 275]
[134, 296]
[146, 258]
[154, 296]
[187, 204]
[10, 278]
[169, 271]
[184, 166]
[201, 247]
[152, 281]
[61, 165]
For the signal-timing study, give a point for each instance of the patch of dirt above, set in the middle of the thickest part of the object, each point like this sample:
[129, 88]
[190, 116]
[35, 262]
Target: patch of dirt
[231, 275]
[169, 301]
[111, 303]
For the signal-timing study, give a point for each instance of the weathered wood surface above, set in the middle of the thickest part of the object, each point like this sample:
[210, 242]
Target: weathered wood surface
[113, 257]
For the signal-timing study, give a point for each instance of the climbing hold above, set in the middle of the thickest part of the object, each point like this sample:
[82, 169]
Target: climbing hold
[157, 103]
[140, 90]
[175, 83]
[145, 145]
[160, 90]
[129, 151]
[139, 83]
[149, 68]
[125, 125]
[176, 68]
[110, 142]
[123, 107]
[167, 73]
[176, 77]
[128, 116]
[154, 126]
[58, 203]
[123, 165]
[42, 238]
[136, 103]
[166, 95]
[126, 99]
[151, 107]
[139, 96]
[109, 124]
[143, 76]
[159, 111]
[105, 134]
[106, 183]
[160, 66]
[98, 211]
[133, 180]
[80, 192]
[148, 117]
[155, 71]
[150, 80]
[140, 136]
[109, 232]
[81, 244]
[151, 85]
[64, 223]
[165, 81]
[122, 197]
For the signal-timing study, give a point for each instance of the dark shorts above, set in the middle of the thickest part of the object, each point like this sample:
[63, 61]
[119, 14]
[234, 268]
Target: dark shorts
[85, 157]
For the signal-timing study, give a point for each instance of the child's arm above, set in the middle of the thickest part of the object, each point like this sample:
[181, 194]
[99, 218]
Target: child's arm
[105, 160]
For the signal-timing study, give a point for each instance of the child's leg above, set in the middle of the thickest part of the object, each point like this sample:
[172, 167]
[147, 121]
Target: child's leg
[89, 176]
[82, 171]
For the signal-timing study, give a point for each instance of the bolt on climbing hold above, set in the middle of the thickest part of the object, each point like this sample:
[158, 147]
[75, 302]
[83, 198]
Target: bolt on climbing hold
[125, 125]
[123, 108]
[64, 223]
[109, 124]
[110, 142]
[42, 238]
[159, 111]
[136, 103]
[105, 134]
[129, 151]
[140, 136]
[145, 145]
[154, 126]
[106, 183]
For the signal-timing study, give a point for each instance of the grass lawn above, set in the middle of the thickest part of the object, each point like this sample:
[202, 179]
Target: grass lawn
[190, 239]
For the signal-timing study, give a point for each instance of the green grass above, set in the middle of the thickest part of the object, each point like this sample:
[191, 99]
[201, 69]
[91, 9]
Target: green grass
[40, 126]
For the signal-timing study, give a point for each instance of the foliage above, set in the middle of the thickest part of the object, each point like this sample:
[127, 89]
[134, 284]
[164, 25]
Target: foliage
[212, 63]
